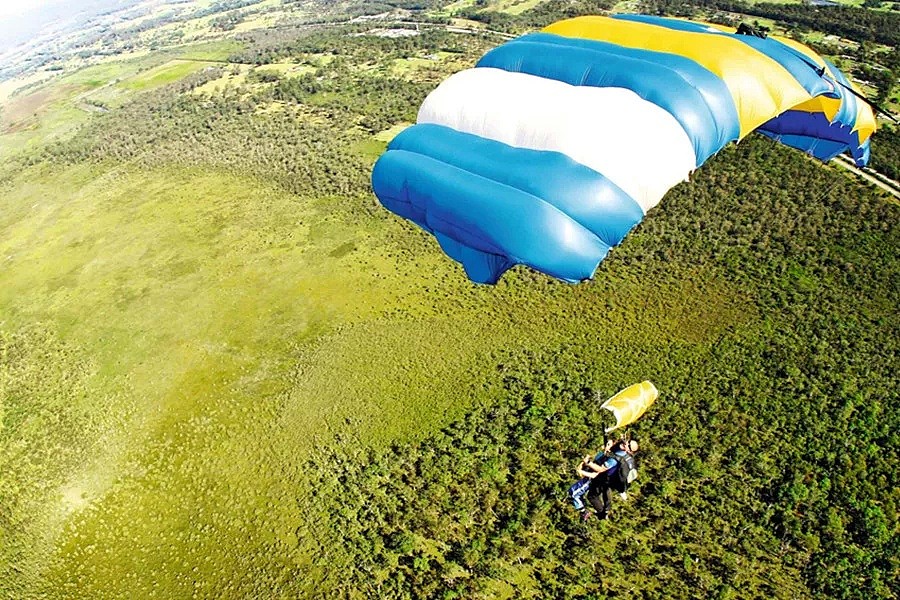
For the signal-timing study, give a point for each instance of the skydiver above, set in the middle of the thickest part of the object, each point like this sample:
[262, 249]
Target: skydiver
[580, 487]
[587, 470]
[602, 473]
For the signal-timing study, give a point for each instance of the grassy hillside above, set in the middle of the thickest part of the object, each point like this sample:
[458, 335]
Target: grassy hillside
[767, 313]
[225, 371]
[180, 342]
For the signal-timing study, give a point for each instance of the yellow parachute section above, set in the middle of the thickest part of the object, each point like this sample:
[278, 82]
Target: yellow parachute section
[740, 66]
[629, 404]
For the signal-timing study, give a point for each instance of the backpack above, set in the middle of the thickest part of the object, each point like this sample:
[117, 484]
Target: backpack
[625, 474]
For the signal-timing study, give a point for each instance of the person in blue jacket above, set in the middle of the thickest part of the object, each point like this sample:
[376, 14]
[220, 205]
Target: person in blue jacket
[600, 474]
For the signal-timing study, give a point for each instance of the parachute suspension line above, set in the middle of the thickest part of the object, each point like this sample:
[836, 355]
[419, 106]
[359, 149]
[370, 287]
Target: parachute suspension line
[602, 419]
[869, 102]
[821, 72]
[744, 29]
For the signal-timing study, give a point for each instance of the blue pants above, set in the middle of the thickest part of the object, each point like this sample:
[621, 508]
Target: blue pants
[577, 491]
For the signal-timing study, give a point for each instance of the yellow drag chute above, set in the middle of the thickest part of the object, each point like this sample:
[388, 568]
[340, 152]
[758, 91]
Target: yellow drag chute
[629, 404]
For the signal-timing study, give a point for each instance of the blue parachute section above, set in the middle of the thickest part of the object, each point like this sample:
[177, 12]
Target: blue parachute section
[815, 135]
[800, 67]
[695, 97]
[557, 143]
[482, 199]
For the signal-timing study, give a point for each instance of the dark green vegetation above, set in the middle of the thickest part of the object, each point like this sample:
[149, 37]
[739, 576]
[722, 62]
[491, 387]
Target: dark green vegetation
[226, 372]
[886, 153]
[543, 14]
[851, 22]
[771, 468]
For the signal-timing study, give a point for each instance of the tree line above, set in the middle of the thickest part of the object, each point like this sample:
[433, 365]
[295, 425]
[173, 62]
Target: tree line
[851, 22]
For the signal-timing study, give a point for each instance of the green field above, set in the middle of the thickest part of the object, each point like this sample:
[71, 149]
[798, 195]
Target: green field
[163, 74]
[199, 287]
[53, 110]
[180, 342]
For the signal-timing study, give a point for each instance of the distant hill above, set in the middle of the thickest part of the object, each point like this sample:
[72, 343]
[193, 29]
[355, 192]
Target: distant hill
[32, 24]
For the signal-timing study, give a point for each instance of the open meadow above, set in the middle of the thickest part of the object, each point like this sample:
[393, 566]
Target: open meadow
[227, 372]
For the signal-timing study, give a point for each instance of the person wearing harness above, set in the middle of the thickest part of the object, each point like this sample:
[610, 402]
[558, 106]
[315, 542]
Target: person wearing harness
[615, 472]
[587, 470]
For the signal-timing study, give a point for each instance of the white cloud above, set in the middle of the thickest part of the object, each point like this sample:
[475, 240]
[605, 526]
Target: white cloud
[10, 8]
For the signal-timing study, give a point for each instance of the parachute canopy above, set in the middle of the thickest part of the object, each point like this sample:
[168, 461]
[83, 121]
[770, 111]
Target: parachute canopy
[629, 404]
[557, 143]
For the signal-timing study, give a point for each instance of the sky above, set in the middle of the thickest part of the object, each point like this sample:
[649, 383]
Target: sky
[22, 20]
[10, 8]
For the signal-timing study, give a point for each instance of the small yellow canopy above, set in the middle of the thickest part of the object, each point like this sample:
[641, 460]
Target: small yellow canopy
[629, 404]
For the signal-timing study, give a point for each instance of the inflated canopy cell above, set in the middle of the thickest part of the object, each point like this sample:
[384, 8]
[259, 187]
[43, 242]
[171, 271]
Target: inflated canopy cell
[557, 143]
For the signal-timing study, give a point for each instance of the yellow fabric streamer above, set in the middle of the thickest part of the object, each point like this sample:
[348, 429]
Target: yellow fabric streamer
[629, 404]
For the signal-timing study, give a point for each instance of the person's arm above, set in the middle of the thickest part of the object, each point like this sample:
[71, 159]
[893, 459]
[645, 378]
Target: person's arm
[587, 462]
[590, 469]
[601, 468]
[588, 474]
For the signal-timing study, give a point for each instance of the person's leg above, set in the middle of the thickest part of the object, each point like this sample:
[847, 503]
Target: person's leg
[577, 490]
[595, 497]
[599, 498]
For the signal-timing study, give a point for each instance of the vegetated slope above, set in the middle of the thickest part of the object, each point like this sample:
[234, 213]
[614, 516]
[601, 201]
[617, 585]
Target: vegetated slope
[853, 22]
[171, 259]
[47, 431]
[239, 326]
[764, 312]
[770, 463]
[886, 153]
